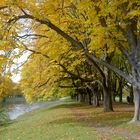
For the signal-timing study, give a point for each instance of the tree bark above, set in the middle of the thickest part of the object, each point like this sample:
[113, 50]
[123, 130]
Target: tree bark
[113, 97]
[98, 99]
[136, 84]
[136, 91]
[131, 95]
[120, 94]
[107, 103]
[89, 98]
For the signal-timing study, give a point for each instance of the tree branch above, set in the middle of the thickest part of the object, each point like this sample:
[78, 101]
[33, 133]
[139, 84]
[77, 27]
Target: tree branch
[74, 42]
[30, 35]
[111, 67]
[3, 7]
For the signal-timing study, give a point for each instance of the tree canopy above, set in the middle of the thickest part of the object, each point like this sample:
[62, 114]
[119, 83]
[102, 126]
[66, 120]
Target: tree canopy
[73, 43]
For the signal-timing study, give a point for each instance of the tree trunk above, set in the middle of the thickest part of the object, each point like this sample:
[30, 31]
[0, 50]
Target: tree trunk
[131, 96]
[77, 97]
[82, 97]
[120, 94]
[94, 100]
[90, 98]
[114, 96]
[107, 104]
[136, 92]
[98, 99]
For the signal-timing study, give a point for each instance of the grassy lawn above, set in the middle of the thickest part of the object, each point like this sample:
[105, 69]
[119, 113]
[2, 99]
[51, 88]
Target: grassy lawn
[72, 121]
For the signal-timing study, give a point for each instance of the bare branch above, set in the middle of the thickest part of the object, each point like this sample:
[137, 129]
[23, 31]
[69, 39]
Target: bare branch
[24, 62]
[3, 7]
[32, 35]
[45, 83]
[61, 86]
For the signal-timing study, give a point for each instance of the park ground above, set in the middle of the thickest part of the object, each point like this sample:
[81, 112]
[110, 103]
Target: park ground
[69, 120]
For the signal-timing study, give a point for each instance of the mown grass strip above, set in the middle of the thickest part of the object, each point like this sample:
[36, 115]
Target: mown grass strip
[54, 123]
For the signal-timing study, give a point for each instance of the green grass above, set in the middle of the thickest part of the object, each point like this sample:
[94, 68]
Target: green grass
[56, 123]
[4, 118]
[72, 121]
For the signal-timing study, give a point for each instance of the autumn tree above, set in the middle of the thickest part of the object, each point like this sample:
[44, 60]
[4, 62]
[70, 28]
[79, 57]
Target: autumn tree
[107, 25]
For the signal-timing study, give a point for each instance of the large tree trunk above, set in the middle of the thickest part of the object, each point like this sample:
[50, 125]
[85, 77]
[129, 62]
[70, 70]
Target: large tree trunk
[136, 91]
[107, 103]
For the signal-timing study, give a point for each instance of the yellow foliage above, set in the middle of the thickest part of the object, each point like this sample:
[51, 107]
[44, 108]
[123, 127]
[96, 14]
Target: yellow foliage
[99, 21]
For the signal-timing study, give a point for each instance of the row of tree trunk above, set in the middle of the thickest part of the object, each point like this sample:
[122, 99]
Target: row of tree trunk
[96, 96]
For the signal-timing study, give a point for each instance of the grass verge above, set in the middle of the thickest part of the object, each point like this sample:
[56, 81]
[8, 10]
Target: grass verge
[54, 123]
[73, 121]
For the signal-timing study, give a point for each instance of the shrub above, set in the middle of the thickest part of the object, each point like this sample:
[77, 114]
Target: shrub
[4, 118]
